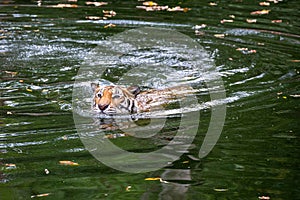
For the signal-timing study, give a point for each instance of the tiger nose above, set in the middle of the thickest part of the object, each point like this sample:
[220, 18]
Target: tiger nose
[103, 106]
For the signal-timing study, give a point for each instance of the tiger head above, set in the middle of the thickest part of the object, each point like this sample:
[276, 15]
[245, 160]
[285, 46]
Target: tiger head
[115, 99]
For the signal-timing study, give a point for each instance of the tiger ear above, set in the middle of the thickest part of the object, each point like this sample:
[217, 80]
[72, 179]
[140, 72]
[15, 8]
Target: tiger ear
[135, 90]
[94, 86]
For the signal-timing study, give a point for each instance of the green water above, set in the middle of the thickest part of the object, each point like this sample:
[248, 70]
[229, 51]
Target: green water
[41, 51]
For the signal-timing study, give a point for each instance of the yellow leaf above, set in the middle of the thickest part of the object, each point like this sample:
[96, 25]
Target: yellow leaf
[109, 26]
[152, 179]
[28, 89]
[219, 35]
[149, 3]
[67, 162]
[260, 12]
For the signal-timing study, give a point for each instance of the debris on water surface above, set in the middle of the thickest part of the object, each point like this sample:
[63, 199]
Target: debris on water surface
[67, 162]
[251, 21]
[277, 21]
[264, 197]
[10, 166]
[156, 179]
[110, 25]
[97, 4]
[260, 12]
[220, 189]
[128, 188]
[40, 195]
[226, 21]
[219, 35]
[47, 171]
[264, 3]
[61, 5]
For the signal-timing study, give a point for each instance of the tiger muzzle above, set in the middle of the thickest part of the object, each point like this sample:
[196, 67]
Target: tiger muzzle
[102, 107]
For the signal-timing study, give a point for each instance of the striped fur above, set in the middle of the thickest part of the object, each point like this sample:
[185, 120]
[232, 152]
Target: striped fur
[115, 99]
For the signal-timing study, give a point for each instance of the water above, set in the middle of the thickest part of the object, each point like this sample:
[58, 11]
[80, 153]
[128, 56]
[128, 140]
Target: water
[42, 49]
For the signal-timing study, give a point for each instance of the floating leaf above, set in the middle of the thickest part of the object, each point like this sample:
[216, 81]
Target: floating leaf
[67, 162]
[28, 90]
[199, 26]
[149, 3]
[260, 12]
[226, 21]
[251, 21]
[153, 179]
[109, 13]
[93, 17]
[156, 179]
[246, 50]
[40, 195]
[264, 197]
[264, 3]
[128, 188]
[219, 35]
[11, 73]
[61, 5]
[274, 1]
[212, 4]
[178, 8]
[277, 21]
[197, 32]
[109, 25]
[97, 4]
[10, 166]
[220, 189]
[153, 8]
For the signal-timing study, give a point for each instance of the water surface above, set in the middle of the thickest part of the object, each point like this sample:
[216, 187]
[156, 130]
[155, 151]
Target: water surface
[42, 48]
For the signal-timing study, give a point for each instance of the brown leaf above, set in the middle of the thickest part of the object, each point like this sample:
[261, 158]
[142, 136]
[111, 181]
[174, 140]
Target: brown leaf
[260, 12]
[277, 21]
[110, 25]
[110, 13]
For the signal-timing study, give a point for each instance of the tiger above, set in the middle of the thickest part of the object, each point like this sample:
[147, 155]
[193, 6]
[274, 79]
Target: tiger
[113, 99]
